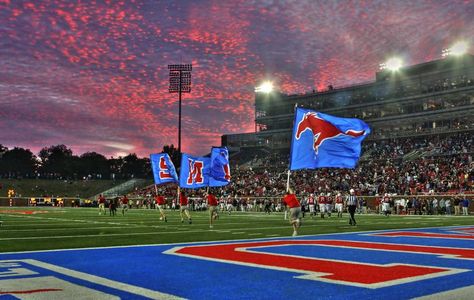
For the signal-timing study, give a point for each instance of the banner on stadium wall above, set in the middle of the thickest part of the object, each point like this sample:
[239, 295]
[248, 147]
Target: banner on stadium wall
[320, 140]
[163, 168]
[195, 171]
[220, 167]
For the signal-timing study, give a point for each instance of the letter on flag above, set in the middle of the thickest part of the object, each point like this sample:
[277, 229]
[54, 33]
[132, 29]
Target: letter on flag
[220, 169]
[320, 140]
[163, 168]
[194, 171]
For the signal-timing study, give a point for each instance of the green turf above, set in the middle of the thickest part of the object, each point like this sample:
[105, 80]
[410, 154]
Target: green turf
[61, 228]
[62, 188]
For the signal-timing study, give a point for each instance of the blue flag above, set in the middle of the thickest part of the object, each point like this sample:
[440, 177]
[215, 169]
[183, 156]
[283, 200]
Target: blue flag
[194, 171]
[220, 168]
[320, 140]
[163, 168]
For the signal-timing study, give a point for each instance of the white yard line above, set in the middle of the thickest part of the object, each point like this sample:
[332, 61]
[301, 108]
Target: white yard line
[131, 234]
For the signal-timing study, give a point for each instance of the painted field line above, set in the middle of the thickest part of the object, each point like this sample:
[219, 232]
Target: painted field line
[258, 233]
[456, 294]
[102, 281]
[55, 229]
[125, 234]
[225, 241]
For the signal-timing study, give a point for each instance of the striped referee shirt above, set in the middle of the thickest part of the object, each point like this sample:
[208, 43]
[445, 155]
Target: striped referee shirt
[351, 200]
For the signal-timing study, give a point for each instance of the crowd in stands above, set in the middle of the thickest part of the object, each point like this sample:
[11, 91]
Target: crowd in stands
[424, 166]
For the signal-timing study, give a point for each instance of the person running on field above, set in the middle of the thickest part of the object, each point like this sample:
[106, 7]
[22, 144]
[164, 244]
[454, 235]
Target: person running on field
[124, 204]
[160, 205]
[101, 201]
[295, 210]
[183, 206]
[212, 205]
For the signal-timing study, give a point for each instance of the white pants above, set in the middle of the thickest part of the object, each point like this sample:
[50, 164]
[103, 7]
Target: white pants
[322, 208]
[328, 208]
[385, 206]
[311, 208]
[339, 207]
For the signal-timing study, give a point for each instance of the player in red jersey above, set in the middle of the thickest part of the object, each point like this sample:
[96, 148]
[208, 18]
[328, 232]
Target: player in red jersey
[311, 205]
[101, 201]
[183, 206]
[160, 205]
[322, 204]
[295, 210]
[339, 205]
[329, 204]
[212, 204]
[124, 204]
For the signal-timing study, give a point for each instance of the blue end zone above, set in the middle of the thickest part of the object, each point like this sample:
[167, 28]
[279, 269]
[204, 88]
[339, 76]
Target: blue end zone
[146, 269]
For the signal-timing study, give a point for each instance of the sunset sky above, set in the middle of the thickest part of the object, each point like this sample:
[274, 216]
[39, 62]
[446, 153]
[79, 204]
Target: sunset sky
[93, 74]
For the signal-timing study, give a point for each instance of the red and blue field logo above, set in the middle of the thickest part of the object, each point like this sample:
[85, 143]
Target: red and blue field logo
[390, 264]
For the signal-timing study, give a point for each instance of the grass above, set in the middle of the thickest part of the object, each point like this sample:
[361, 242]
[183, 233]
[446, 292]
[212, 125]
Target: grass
[36, 187]
[61, 228]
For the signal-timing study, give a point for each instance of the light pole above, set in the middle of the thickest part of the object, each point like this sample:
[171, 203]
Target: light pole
[180, 82]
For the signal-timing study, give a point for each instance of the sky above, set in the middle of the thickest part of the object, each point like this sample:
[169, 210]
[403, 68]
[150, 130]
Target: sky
[93, 74]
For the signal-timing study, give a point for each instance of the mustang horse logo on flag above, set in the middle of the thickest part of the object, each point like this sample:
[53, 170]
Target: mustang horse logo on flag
[321, 129]
[321, 140]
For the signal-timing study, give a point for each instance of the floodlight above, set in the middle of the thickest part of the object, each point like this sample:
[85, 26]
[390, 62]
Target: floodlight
[459, 48]
[393, 64]
[266, 88]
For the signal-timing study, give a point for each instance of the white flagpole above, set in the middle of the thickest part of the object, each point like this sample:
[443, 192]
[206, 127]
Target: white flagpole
[288, 181]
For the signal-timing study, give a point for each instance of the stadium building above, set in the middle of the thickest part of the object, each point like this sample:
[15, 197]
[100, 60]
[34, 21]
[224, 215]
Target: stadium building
[432, 98]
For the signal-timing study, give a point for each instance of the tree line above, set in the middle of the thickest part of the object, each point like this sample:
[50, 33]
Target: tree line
[59, 162]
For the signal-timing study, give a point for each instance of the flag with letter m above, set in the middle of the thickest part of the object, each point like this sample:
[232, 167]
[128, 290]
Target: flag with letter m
[320, 140]
[194, 171]
[220, 168]
[163, 168]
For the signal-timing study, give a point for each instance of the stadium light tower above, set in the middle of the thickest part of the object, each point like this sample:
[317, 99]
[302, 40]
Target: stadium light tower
[393, 64]
[180, 82]
[457, 49]
[266, 87]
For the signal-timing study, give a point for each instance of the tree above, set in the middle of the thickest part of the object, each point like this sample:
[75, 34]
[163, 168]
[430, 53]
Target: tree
[93, 163]
[57, 160]
[18, 162]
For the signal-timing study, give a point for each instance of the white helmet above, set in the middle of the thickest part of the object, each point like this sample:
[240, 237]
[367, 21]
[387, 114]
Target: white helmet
[351, 191]
[322, 194]
[329, 194]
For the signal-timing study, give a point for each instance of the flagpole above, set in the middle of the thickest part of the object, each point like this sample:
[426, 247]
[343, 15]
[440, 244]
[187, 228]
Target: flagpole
[288, 181]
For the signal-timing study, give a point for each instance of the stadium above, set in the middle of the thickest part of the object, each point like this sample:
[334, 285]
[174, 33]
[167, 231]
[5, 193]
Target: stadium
[351, 190]
[419, 154]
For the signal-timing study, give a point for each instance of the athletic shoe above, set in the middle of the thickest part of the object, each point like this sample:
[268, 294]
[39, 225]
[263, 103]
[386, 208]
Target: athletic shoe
[182, 221]
[166, 220]
[210, 226]
[295, 233]
[190, 221]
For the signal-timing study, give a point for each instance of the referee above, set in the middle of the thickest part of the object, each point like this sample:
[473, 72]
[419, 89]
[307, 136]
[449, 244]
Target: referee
[351, 206]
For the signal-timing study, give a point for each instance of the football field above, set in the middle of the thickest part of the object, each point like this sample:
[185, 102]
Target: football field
[245, 256]
[26, 229]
